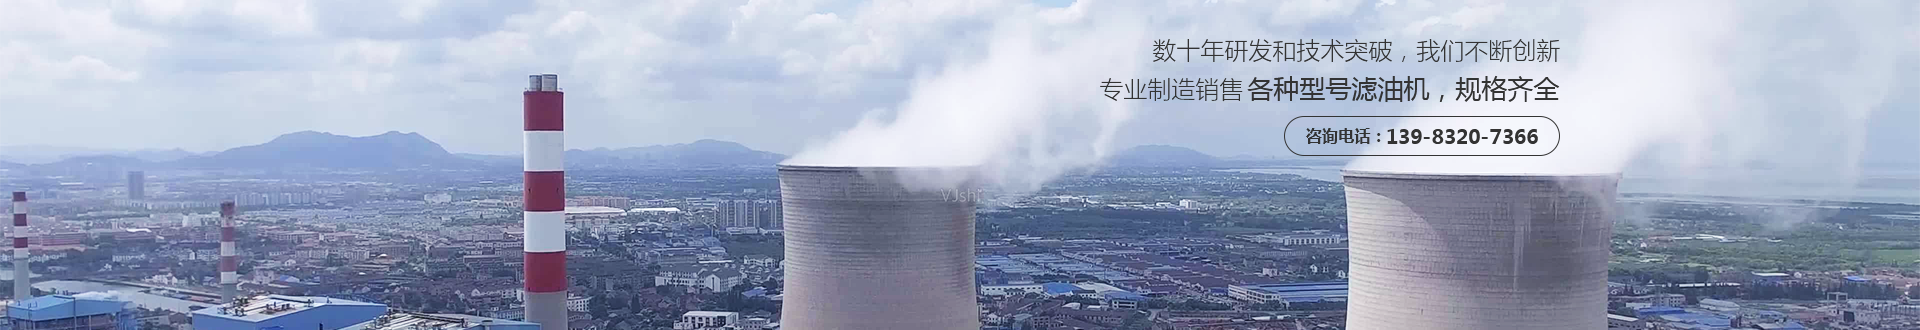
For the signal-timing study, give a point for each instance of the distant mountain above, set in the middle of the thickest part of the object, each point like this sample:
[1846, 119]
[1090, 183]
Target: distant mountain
[1162, 156]
[309, 149]
[158, 155]
[42, 154]
[90, 167]
[101, 161]
[698, 153]
[706, 151]
[491, 159]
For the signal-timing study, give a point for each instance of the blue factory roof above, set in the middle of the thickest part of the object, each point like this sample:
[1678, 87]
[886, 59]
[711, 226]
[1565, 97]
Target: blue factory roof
[1857, 278]
[1123, 295]
[408, 321]
[287, 312]
[1657, 311]
[1302, 292]
[1698, 318]
[1788, 325]
[1298, 287]
[56, 307]
[1059, 288]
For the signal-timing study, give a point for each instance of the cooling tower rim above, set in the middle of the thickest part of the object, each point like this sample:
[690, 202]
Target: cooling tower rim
[1478, 176]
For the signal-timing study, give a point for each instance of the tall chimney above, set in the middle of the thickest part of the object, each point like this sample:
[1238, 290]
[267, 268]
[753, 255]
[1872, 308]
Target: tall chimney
[22, 278]
[229, 261]
[545, 219]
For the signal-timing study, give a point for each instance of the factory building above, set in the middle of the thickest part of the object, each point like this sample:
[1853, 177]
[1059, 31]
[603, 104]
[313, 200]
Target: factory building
[1439, 251]
[286, 312]
[417, 321]
[1290, 292]
[86, 311]
[864, 251]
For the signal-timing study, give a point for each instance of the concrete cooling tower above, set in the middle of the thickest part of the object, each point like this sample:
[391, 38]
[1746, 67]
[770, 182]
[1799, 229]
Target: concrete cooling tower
[1478, 251]
[864, 252]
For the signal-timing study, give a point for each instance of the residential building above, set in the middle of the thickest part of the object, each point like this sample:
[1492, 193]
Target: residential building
[577, 303]
[712, 277]
[760, 268]
[493, 295]
[700, 320]
[748, 213]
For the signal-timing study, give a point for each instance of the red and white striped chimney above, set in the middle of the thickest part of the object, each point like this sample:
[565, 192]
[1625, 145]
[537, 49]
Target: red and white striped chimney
[22, 278]
[545, 221]
[229, 260]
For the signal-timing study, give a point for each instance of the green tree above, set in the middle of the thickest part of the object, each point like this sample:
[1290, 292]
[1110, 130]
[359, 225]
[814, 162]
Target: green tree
[597, 306]
[1136, 321]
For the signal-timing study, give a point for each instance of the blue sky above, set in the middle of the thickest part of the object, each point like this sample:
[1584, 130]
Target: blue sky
[1798, 83]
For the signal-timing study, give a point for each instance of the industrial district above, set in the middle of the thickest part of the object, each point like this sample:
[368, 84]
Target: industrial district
[811, 247]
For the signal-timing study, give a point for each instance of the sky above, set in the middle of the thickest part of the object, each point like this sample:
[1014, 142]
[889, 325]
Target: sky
[1783, 80]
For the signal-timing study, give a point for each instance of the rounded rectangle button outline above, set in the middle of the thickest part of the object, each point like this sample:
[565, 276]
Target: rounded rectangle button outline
[1289, 127]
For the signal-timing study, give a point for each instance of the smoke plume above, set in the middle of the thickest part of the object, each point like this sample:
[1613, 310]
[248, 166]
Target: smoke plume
[1017, 117]
[102, 295]
[1680, 90]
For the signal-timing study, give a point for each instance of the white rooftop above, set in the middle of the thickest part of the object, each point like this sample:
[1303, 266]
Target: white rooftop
[593, 210]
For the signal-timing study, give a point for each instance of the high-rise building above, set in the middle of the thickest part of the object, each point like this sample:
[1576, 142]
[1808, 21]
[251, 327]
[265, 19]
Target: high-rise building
[1439, 251]
[86, 311]
[771, 214]
[865, 252]
[738, 213]
[136, 185]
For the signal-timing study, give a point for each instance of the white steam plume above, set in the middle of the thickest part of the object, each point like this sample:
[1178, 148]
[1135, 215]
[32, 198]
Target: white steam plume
[1627, 94]
[102, 295]
[1022, 115]
[1689, 89]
